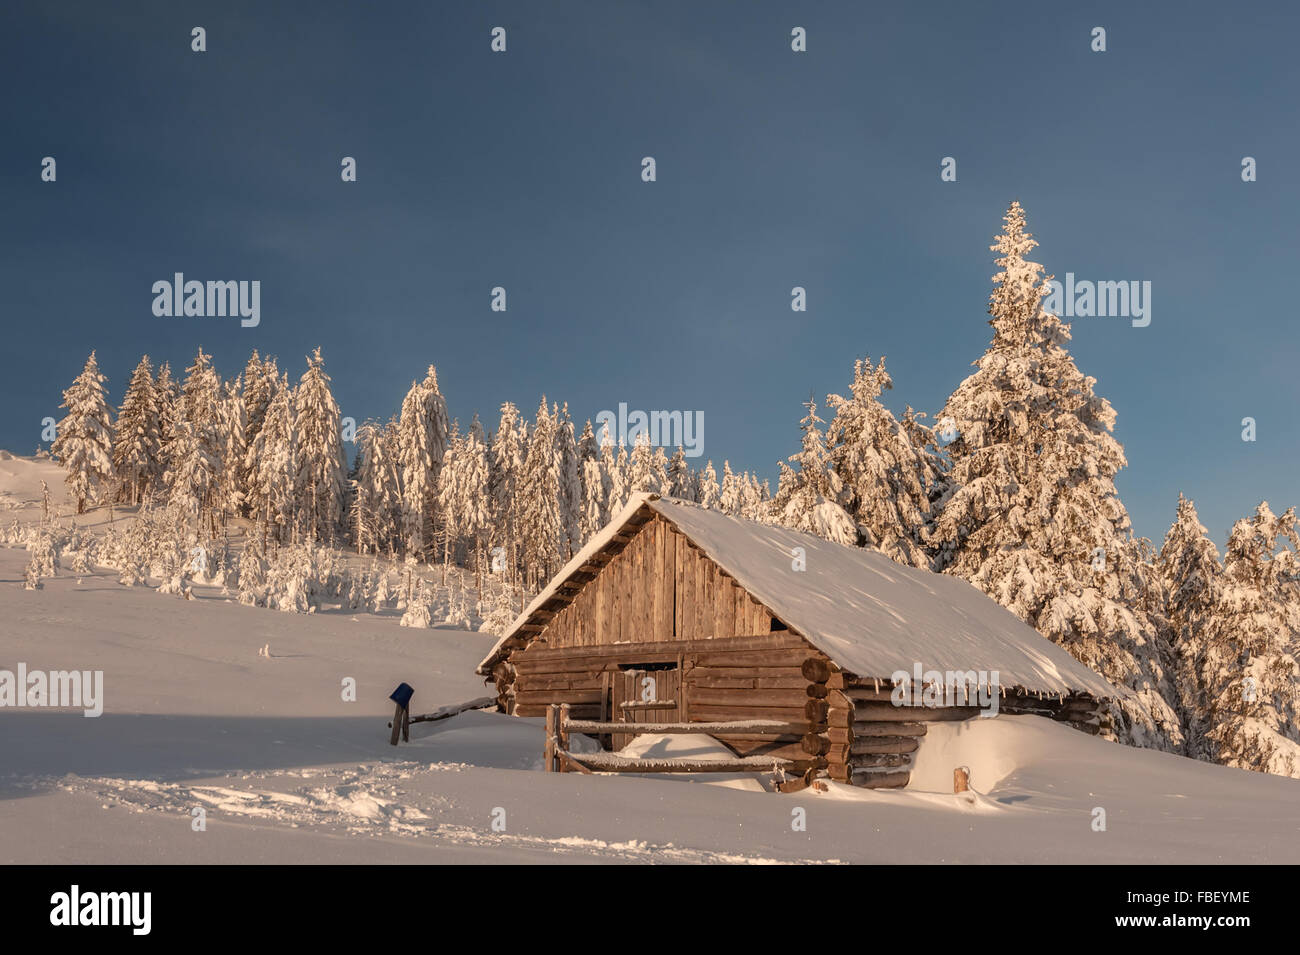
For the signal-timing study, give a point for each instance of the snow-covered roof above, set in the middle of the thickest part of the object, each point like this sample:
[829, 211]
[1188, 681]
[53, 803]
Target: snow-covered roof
[869, 614]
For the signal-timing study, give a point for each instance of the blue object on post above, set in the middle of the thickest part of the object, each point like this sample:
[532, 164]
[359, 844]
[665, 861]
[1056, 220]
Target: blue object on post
[402, 695]
[402, 717]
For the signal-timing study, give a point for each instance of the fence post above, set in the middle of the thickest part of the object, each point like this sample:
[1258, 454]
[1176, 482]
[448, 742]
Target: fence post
[562, 731]
[548, 754]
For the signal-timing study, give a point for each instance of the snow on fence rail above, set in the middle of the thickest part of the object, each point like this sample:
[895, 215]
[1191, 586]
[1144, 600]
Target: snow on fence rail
[558, 758]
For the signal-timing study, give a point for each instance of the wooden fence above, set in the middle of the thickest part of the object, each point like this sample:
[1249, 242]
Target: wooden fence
[558, 758]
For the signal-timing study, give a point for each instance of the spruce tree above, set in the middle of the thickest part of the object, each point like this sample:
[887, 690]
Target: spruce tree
[887, 479]
[84, 440]
[1029, 512]
[808, 499]
[137, 437]
[321, 462]
[423, 428]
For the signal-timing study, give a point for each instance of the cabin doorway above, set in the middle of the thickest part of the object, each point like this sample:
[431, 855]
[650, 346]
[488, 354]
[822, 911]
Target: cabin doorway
[645, 693]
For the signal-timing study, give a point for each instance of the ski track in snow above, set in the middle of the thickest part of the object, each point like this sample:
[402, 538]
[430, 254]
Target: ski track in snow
[368, 800]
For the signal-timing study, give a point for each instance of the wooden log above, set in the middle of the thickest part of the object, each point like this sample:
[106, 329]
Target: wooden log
[888, 729]
[837, 717]
[752, 726]
[839, 773]
[815, 745]
[549, 748]
[396, 724]
[698, 672]
[795, 683]
[738, 698]
[793, 751]
[546, 697]
[881, 780]
[960, 779]
[816, 691]
[752, 658]
[816, 710]
[585, 711]
[816, 670]
[877, 760]
[613, 763]
[885, 712]
[721, 714]
[562, 727]
[883, 744]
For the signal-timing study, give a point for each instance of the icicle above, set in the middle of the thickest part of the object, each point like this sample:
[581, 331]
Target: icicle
[875, 680]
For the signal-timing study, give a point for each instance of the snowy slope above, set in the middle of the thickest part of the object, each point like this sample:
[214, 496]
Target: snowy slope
[287, 771]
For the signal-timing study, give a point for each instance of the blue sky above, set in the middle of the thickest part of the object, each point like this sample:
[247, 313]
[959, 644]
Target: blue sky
[775, 169]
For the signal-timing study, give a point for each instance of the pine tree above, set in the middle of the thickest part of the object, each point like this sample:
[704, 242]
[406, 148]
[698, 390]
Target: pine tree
[230, 490]
[595, 484]
[729, 495]
[137, 437]
[887, 478]
[320, 475]
[423, 429]
[541, 530]
[1029, 512]
[507, 464]
[681, 482]
[1250, 674]
[808, 500]
[195, 446]
[84, 440]
[259, 386]
[167, 394]
[706, 487]
[376, 517]
[272, 458]
[1191, 580]
[566, 450]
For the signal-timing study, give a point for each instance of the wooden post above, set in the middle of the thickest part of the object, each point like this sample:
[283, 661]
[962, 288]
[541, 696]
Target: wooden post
[961, 779]
[397, 724]
[406, 725]
[548, 753]
[562, 733]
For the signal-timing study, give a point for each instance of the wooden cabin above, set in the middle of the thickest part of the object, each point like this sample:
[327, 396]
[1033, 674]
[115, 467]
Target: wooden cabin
[676, 613]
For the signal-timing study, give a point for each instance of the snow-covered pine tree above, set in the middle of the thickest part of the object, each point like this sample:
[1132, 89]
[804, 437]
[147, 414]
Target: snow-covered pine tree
[137, 437]
[729, 497]
[595, 485]
[887, 479]
[640, 473]
[681, 482]
[321, 462]
[422, 430]
[259, 385]
[272, 458]
[474, 504]
[507, 464]
[1029, 512]
[168, 396]
[376, 508]
[706, 487]
[196, 445]
[570, 482]
[230, 491]
[541, 531]
[84, 440]
[1191, 579]
[1248, 669]
[616, 474]
[447, 495]
[808, 499]
[659, 482]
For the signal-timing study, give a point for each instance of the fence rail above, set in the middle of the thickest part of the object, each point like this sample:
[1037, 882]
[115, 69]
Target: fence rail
[558, 758]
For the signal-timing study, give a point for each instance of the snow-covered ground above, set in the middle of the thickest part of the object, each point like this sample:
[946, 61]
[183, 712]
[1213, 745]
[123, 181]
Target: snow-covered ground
[286, 770]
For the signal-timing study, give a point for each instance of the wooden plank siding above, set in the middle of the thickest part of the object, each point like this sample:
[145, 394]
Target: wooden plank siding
[660, 587]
